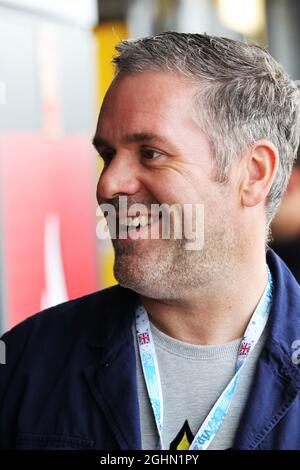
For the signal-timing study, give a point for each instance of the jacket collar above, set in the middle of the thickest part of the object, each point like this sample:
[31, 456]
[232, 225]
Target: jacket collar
[285, 323]
[277, 379]
[112, 377]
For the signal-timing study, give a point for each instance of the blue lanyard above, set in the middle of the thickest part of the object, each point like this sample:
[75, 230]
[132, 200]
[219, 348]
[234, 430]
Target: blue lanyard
[219, 411]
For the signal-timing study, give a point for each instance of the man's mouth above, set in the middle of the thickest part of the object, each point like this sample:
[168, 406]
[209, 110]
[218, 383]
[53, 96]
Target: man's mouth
[136, 224]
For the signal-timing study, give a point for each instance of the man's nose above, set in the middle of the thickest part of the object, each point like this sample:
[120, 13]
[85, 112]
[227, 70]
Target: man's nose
[120, 177]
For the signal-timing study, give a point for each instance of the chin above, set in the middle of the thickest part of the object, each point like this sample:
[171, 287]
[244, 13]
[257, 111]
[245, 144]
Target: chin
[145, 285]
[133, 282]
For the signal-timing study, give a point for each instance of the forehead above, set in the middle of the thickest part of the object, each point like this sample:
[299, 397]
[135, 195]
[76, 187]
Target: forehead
[151, 99]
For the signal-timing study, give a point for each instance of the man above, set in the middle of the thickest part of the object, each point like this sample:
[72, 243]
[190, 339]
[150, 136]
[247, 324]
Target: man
[286, 225]
[196, 346]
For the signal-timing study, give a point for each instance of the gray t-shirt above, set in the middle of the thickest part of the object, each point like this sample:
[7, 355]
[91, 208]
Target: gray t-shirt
[192, 378]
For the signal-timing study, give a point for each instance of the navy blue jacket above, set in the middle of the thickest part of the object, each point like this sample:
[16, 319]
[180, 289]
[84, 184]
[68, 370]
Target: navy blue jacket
[70, 377]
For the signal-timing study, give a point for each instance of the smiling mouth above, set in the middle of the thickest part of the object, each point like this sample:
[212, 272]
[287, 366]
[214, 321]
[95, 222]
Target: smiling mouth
[139, 223]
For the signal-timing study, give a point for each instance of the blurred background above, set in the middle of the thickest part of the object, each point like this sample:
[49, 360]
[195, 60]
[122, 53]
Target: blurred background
[55, 66]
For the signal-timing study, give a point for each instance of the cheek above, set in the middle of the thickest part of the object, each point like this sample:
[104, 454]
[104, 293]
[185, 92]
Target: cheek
[172, 185]
[169, 191]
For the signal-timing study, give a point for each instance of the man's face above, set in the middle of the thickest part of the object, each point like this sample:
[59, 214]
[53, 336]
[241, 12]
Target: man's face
[155, 153]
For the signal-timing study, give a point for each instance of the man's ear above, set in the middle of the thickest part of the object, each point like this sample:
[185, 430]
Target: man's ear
[260, 165]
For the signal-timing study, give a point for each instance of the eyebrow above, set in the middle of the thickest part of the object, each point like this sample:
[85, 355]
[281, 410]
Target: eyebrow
[99, 142]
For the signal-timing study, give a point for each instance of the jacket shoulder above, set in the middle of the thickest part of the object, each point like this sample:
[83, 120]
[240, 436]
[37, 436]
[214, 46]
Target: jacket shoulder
[78, 319]
[47, 355]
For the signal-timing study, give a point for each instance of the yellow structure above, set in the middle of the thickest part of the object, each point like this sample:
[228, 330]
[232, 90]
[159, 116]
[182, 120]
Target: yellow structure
[107, 35]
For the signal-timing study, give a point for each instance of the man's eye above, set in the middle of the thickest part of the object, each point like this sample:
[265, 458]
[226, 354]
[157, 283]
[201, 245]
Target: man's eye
[150, 154]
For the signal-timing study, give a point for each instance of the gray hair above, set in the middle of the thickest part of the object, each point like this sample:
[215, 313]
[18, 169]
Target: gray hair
[246, 95]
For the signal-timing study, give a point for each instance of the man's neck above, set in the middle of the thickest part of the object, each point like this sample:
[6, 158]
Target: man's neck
[214, 315]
